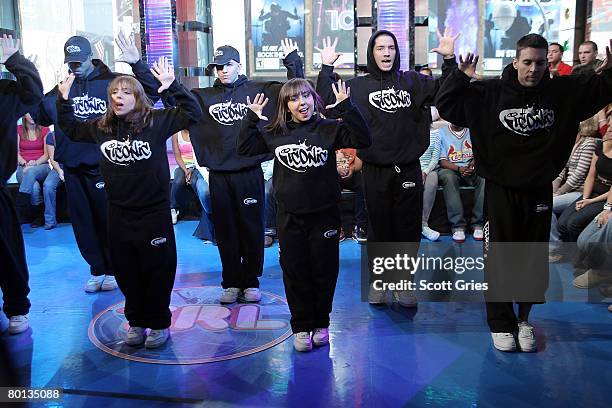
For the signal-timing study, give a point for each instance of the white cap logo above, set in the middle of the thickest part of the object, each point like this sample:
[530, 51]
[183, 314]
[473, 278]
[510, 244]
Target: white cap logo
[218, 53]
[73, 49]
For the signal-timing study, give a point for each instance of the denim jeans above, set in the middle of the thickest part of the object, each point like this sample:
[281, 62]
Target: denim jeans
[450, 180]
[30, 181]
[205, 229]
[560, 203]
[178, 183]
[595, 246]
[429, 195]
[49, 192]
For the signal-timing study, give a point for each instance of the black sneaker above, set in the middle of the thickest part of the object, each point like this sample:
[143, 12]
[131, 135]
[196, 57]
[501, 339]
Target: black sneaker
[360, 235]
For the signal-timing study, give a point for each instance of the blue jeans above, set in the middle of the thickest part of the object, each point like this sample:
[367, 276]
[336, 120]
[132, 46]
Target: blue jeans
[560, 203]
[205, 229]
[49, 192]
[178, 183]
[450, 181]
[595, 246]
[31, 180]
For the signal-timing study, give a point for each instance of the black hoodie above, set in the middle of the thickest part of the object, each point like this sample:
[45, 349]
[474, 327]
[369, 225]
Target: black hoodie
[16, 97]
[134, 165]
[305, 176]
[89, 96]
[214, 136]
[395, 104]
[522, 136]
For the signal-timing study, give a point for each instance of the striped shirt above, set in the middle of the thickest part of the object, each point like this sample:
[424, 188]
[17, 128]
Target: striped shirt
[577, 167]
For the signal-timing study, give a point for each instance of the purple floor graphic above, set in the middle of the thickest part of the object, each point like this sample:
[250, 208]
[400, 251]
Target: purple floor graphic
[202, 330]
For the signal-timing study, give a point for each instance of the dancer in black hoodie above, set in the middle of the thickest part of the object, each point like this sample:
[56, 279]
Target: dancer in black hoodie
[236, 182]
[15, 99]
[84, 183]
[132, 139]
[307, 191]
[396, 105]
[523, 127]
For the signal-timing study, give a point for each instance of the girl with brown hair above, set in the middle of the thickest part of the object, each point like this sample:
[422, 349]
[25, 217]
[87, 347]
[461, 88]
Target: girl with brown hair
[132, 139]
[307, 192]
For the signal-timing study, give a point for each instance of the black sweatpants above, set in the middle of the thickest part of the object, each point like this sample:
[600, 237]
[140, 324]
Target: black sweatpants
[237, 200]
[143, 253]
[394, 201]
[518, 271]
[310, 263]
[14, 274]
[88, 213]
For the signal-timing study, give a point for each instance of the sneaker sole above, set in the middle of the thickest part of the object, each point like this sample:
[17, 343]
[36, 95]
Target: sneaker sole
[157, 344]
[227, 302]
[19, 330]
[530, 350]
[87, 290]
[320, 343]
[135, 343]
[107, 288]
[302, 349]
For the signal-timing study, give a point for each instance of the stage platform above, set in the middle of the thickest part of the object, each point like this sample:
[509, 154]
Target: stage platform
[438, 355]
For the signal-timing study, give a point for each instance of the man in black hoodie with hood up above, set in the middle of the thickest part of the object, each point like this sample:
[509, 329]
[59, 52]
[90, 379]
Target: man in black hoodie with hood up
[523, 127]
[395, 104]
[236, 182]
[83, 180]
[16, 97]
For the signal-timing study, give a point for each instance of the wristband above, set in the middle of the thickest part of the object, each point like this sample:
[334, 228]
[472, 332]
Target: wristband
[607, 206]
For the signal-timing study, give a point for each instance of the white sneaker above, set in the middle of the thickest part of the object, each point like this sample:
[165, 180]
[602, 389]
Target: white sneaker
[109, 283]
[320, 337]
[94, 283]
[478, 234]
[526, 337]
[230, 295]
[376, 297]
[302, 341]
[174, 213]
[459, 236]
[18, 324]
[251, 295]
[405, 298]
[429, 233]
[156, 338]
[504, 341]
[135, 336]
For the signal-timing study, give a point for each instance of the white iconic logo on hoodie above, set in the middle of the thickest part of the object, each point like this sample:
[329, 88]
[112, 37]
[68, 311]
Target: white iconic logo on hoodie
[125, 153]
[301, 157]
[85, 106]
[228, 113]
[390, 100]
[525, 120]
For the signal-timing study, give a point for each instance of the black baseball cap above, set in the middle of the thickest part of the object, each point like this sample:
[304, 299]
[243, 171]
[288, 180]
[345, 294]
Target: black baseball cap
[77, 49]
[223, 55]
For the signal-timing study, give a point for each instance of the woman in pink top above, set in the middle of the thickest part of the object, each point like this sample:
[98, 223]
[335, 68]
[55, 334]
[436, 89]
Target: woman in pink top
[32, 170]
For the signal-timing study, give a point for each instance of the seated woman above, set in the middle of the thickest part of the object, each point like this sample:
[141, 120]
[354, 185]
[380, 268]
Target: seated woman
[567, 187]
[188, 173]
[52, 181]
[32, 169]
[595, 252]
[576, 217]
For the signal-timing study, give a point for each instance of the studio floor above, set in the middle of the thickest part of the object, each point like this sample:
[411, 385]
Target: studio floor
[436, 356]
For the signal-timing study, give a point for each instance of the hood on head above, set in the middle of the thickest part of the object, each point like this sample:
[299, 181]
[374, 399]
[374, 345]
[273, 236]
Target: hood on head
[372, 66]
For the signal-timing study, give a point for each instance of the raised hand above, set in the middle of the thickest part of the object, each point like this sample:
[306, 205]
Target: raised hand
[164, 73]
[258, 105]
[341, 92]
[446, 43]
[9, 46]
[65, 85]
[129, 51]
[288, 46]
[328, 53]
[468, 66]
[607, 63]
